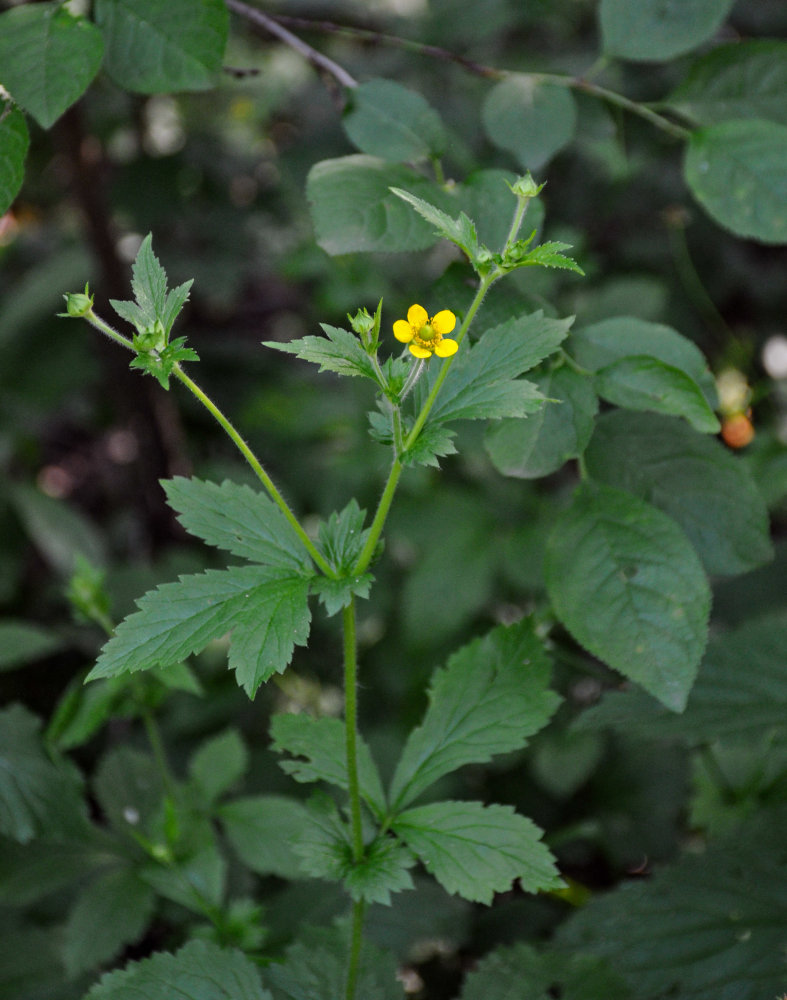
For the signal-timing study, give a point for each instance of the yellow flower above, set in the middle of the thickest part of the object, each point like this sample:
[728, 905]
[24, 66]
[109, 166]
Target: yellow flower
[426, 336]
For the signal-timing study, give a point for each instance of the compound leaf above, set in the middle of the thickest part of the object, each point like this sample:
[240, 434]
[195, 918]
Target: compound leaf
[475, 850]
[265, 610]
[200, 970]
[321, 742]
[238, 519]
[490, 698]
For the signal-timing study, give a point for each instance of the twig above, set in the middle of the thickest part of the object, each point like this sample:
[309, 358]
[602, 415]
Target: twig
[312, 55]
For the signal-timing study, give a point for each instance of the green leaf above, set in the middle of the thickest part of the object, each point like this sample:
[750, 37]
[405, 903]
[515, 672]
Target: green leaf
[713, 925]
[48, 57]
[500, 975]
[354, 210]
[738, 173]
[460, 230]
[542, 442]
[475, 850]
[263, 829]
[726, 703]
[746, 79]
[37, 794]
[264, 609]
[532, 120]
[194, 875]
[694, 479]
[337, 594]
[338, 351]
[549, 254]
[651, 30]
[22, 642]
[627, 584]
[30, 872]
[218, 764]
[14, 141]
[200, 970]
[237, 518]
[602, 344]
[315, 968]
[111, 912]
[155, 47]
[153, 301]
[483, 381]
[342, 539]
[326, 852]
[385, 119]
[640, 382]
[490, 698]
[321, 742]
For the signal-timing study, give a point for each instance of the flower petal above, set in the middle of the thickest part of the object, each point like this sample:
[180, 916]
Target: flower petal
[444, 321]
[446, 348]
[417, 317]
[419, 352]
[403, 331]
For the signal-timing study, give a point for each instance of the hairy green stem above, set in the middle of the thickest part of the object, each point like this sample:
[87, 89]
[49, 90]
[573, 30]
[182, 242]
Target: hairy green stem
[351, 725]
[379, 519]
[356, 940]
[259, 471]
[98, 323]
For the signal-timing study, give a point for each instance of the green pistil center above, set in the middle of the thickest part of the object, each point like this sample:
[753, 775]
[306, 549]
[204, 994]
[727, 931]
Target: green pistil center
[427, 333]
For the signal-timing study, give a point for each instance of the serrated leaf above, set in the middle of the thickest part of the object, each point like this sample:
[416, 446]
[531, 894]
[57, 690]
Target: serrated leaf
[692, 478]
[263, 829]
[500, 975]
[726, 703]
[483, 381]
[315, 968]
[549, 254]
[354, 210]
[640, 382]
[338, 351]
[342, 537]
[490, 698]
[650, 30]
[713, 925]
[14, 142]
[48, 57]
[738, 173]
[746, 79]
[322, 743]
[626, 582]
[475, 850]
[325, 849]
[155, 47]
[542, 442]
[200, 970]
[486, 198]
[264, 609]
[337, 594]
[37, 794]
[460, 230]
[110, 912]
[149, 281]
[434, 442]
[530, 119]
[385, 119]
[218, 764]
[237, 518]
[601, 344]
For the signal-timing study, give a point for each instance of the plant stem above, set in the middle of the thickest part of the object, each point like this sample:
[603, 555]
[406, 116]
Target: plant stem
[351, 725]
[111, 332]
[353, 966]
[420, 420]
[259, 471]
[379, 519]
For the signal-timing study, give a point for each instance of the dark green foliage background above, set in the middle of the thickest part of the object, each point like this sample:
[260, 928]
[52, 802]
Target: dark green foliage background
[219, 175]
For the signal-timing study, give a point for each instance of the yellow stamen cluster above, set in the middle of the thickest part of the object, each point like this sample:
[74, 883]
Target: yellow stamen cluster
[425, 336]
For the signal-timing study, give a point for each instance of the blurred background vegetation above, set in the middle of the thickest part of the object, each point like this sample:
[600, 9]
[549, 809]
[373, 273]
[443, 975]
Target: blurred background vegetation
[219, 179]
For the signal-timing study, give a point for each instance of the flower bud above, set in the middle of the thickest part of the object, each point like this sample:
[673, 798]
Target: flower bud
[526, 187]
[78, 303]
